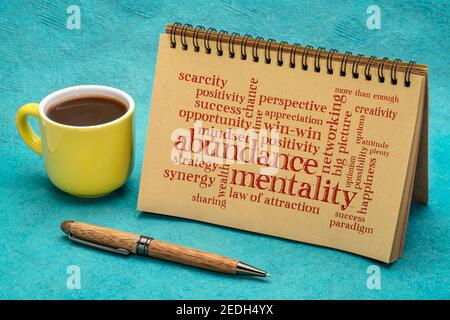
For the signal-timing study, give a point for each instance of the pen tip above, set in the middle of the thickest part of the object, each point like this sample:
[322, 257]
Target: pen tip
[65, 226]
[268, 274]
[245, 269]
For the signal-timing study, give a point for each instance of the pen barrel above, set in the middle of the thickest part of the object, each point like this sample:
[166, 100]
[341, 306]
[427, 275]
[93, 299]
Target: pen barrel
[157, 249]
[105, 236]
[192, 257]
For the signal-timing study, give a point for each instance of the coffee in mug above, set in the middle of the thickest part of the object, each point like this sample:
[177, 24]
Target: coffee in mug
[87, 138]
[86, 111]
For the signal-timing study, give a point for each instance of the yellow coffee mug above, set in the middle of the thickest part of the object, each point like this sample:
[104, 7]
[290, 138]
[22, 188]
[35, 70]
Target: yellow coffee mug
[89, 161]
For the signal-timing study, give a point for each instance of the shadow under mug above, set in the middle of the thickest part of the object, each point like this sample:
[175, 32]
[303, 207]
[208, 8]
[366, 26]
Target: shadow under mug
[89, 161]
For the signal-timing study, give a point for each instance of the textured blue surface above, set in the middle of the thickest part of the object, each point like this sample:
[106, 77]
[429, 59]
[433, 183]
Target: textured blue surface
[117, 46]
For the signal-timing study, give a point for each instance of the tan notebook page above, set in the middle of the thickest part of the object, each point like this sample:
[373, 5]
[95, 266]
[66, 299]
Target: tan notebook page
[304, 155]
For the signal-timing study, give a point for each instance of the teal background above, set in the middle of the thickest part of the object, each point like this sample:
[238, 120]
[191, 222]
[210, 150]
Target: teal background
[117, 46]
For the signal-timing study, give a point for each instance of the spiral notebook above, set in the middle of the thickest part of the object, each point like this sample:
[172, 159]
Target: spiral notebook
[286, 140]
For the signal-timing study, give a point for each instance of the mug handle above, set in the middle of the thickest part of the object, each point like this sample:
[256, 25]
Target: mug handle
[23, 126]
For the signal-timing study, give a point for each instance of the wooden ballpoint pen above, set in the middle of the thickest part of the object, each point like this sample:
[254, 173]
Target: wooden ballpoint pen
[126, 243]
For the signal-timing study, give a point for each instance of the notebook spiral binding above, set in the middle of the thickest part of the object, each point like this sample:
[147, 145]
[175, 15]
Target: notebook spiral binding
[236, 39]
